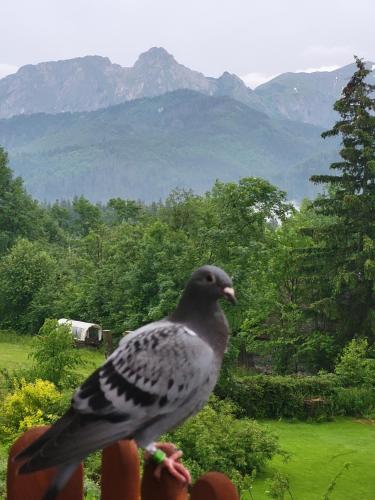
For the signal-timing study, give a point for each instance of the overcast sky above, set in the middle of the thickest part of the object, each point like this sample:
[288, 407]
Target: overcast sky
[256, 39]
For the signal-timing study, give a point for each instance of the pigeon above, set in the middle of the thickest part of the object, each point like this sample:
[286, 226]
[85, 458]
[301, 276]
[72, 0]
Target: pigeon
[160, 375]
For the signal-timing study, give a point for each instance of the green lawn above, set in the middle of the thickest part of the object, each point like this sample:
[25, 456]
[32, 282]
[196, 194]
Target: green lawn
[15, 349]
[318, 452]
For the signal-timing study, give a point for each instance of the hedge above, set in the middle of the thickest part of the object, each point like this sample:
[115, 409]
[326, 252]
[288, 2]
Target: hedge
[297, 397]
[268, 396]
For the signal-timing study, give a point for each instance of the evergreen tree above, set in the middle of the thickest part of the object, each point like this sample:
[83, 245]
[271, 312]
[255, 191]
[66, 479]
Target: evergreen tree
[342, 265]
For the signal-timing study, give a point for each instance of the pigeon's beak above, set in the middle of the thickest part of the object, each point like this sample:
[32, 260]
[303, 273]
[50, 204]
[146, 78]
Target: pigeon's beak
[228, 293]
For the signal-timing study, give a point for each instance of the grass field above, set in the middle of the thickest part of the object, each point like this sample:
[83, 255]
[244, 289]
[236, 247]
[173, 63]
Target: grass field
[318, 453]
[318, 450]
[15, 349]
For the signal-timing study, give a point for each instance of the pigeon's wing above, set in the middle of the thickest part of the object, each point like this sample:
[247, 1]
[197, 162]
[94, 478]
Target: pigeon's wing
[159, 363]
[154, 371]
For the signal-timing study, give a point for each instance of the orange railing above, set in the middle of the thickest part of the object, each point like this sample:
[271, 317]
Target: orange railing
[120, 478]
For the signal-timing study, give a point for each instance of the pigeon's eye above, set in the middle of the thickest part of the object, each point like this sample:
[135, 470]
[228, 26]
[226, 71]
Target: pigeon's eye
[210, 278]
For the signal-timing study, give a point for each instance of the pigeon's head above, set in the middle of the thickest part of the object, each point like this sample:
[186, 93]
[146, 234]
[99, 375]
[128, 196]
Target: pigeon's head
[212, 282]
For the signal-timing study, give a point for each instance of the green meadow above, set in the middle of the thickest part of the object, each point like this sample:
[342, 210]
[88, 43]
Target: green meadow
[318, 452]
[15, 349]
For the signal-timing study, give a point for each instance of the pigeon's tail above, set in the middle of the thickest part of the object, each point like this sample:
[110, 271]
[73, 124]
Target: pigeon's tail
[62, 476]
[71, 439]
[51, 433]
[66, 444]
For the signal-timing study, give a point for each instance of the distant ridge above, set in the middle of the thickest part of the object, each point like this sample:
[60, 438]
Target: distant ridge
[93, 82]
[146, 147]
[307, 97]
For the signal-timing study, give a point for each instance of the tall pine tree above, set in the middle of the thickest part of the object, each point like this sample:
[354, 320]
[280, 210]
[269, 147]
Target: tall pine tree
[342, 265]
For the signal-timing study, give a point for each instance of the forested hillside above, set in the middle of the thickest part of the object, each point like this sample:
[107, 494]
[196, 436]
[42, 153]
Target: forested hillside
[145, 148]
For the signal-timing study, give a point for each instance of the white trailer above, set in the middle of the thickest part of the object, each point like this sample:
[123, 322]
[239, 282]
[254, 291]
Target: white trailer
[85, 333]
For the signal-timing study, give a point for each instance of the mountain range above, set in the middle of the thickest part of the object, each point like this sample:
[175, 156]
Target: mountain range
[87, 126]
[93, 82]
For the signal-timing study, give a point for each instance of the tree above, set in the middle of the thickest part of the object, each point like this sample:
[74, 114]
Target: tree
[55, 355]
[87, 215]
[276, 323]
[24, 271]
[354, 367]
[125, 210]
[19, 214]
[243, 221]
[343, 263]
[144, 272]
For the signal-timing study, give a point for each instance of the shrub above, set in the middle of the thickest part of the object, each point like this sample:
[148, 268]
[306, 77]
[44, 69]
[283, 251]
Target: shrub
[267, 396]
[10, 379]
[215, 440]
[55, 355]
[278, 486]
[31, 404]
[353, 367]
[355, 401]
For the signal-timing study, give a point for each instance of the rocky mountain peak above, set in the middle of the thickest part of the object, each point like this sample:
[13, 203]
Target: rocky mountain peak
[231, 85]
[231, 81]
[226, 76]
[156, 56]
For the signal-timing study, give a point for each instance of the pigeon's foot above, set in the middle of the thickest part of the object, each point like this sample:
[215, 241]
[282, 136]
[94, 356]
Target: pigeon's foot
[172, 464]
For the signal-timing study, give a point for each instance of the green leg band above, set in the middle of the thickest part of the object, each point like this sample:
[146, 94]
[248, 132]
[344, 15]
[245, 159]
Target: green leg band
[159, 456]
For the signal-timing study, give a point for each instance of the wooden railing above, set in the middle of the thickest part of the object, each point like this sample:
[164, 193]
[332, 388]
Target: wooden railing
[120, 478]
